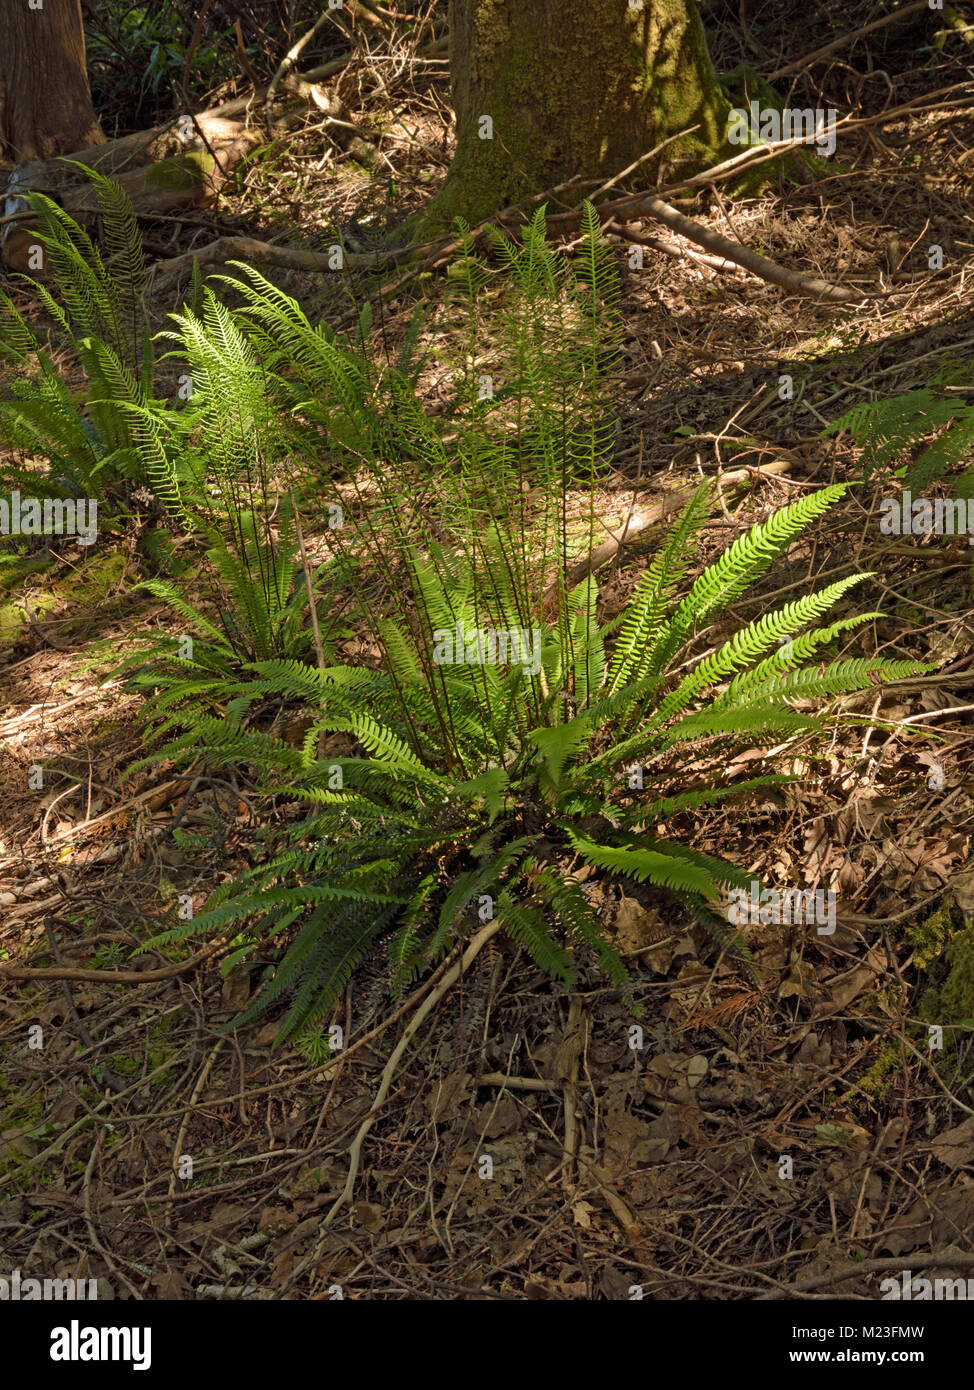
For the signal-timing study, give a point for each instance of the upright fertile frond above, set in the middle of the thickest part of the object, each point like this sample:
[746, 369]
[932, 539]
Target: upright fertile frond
[595, 266]
[125, 261]
[85, 287]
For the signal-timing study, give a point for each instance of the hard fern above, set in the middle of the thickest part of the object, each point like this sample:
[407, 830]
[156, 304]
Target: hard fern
[464, 787]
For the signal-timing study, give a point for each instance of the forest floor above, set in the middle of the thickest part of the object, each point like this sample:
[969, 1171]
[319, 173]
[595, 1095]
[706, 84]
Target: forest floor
[676, 1179]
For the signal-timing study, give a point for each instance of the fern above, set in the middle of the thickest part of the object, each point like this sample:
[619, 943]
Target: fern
[98, 308]
[892, 429]
[474, 787]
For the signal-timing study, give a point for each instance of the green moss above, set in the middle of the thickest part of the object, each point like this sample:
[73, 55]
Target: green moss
[589, 97]
[957, 994]
[23, 1121]
[943, 946]
[14, 619]
[742, 85]
[156, 1058]
[98, 576]
[878, 1078]
[88, 583]
[184, 171]
[14, 571]
[929, 938]
[125, 1066]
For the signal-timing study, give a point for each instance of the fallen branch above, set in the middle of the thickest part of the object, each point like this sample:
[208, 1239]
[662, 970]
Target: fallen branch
[724, 253]
[90, 1221]
[25, 896]
[642, 516]
[953, 1260]
[149, 800]
[108, 977]
[240, 105]
[184, 1125]
[477, 944]
[291, 58]
[161, 171]
[669, 248]
[243, 248]
[907, 12]
[810, 287]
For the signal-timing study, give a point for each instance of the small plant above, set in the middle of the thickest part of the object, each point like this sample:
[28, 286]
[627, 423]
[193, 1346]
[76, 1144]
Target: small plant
[220, 468]
[889, 429]
[476, 788]
[489, 749]
[84, 437]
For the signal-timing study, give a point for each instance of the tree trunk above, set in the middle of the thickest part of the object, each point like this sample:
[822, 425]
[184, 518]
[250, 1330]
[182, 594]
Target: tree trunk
[575, 88]
[45, 101]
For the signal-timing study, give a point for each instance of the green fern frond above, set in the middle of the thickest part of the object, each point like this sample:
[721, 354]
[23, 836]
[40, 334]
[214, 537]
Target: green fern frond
[646, 865]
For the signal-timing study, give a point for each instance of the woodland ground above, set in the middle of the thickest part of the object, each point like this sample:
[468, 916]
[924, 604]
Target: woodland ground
[675, 1181]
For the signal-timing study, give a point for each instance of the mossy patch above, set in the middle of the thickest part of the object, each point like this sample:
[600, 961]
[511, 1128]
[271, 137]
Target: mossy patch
[87, 584]
[98, 576]
[21, 1134]
[878, 1078]
[943, 945]
[957, 995]
[741, 86]
[929, 938]
[183, 172]
[13, 616]
[14, 571]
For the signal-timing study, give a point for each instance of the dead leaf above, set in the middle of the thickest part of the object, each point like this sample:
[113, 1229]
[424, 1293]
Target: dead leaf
[696, 1070]
[955, 1147]
[582, 1214]
[370, 1217]
[635, 927]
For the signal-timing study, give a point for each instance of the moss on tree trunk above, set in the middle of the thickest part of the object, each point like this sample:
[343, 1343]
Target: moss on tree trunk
[574, 87]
